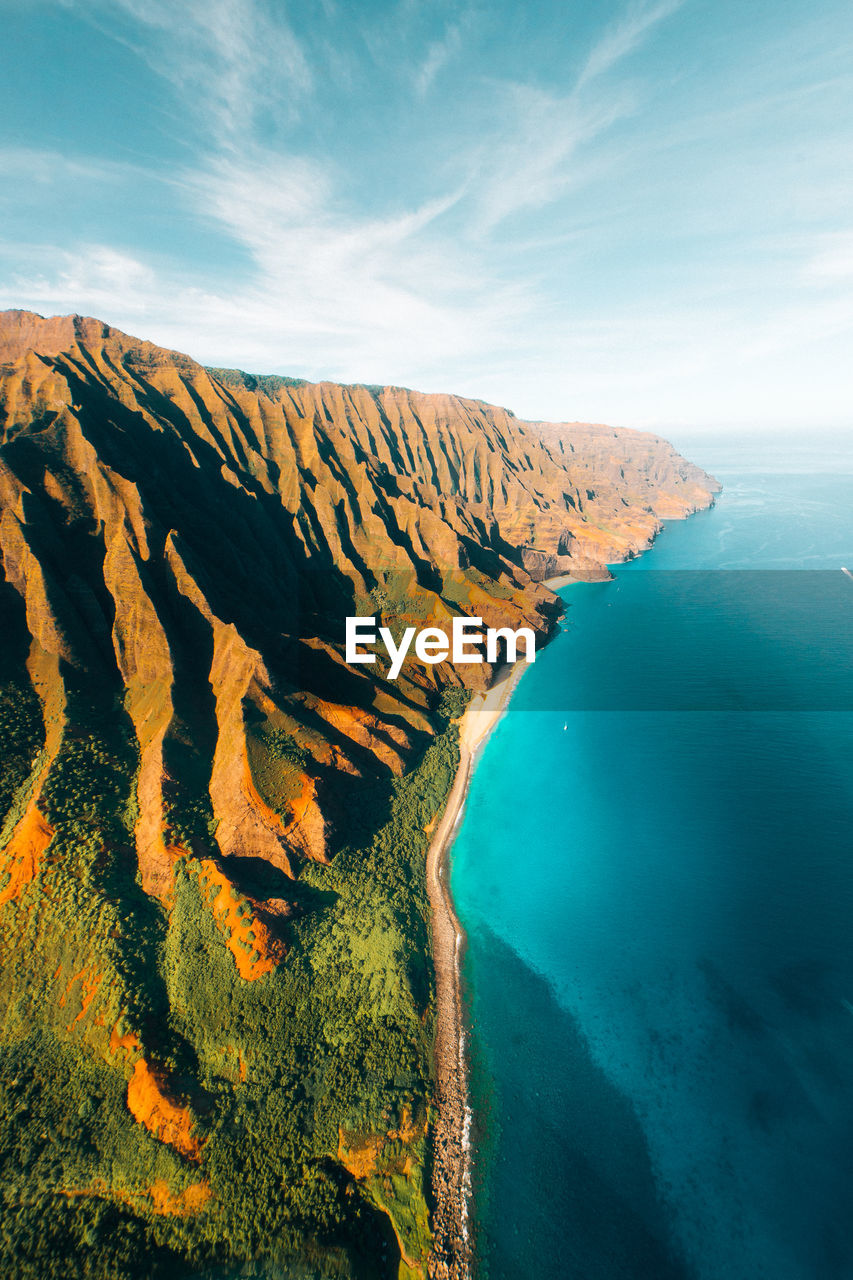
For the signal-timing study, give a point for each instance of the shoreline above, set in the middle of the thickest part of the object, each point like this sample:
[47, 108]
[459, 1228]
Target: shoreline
[450, 1257]
[451, 1178]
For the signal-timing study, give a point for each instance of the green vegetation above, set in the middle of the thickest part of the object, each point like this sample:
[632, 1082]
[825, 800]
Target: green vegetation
[21, 736]
[277, 762]
[269, 384]
[75, 1167]
[308, 1089]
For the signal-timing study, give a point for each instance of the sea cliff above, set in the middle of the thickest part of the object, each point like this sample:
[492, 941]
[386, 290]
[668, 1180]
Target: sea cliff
[218, 1005]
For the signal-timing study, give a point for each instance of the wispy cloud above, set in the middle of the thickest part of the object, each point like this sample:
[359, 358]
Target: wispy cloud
[324, 293]
[624, 37]
[534, 157]
[231, 60]
[376, 288]
[50, 168]
[93, 279]
[328, 288]
[535, 154]
[438, 55]
[570, 235]
[832, 262]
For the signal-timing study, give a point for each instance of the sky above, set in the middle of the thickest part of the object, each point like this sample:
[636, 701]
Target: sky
[629, 211]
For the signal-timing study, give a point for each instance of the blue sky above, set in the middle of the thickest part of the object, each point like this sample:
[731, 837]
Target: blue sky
[638, 213]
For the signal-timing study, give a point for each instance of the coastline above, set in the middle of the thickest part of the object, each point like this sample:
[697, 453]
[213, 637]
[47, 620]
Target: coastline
[450, 1257]
[451, 1180]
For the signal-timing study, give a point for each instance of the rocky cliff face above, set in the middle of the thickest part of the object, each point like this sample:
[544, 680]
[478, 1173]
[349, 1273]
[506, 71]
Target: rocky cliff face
[180, 548]
[154, 512]
[627, 484]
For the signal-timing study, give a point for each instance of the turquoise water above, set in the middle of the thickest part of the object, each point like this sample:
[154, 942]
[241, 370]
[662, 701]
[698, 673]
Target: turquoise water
[656, 875]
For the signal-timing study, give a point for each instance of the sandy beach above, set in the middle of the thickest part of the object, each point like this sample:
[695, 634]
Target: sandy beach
[450, 1258]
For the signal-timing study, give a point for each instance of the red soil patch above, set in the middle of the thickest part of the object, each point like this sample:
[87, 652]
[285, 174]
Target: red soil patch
[255, 951]
[159, 869]
[150, 1105]
[129, 1042]
[188, 1202]
[361, 1154]
[23, 853]
[161, 1199]
[90, 983]
[299, 806]
[296, 808]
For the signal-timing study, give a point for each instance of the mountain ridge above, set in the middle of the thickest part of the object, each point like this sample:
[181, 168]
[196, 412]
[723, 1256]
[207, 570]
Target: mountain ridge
[208, 811]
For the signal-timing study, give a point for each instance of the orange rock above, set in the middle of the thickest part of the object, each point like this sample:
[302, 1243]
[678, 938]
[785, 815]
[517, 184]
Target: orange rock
[367, 730]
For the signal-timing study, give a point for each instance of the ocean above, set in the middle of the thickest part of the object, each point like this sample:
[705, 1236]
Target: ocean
[655, 872]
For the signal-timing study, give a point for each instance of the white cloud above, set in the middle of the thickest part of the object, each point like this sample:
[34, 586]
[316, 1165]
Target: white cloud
[230, 59]
[94, 277]
[832, 263]
[438, 55]
[536, 153]
[339, 303]
[364, 290]
[48, 168]
[547, 314]
[624, 37]
[325, 294]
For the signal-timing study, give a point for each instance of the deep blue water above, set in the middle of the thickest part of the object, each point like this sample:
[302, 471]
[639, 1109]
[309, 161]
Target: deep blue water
[655, 870]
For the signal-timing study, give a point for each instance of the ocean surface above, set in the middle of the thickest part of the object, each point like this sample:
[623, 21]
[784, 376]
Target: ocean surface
[655, 871]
